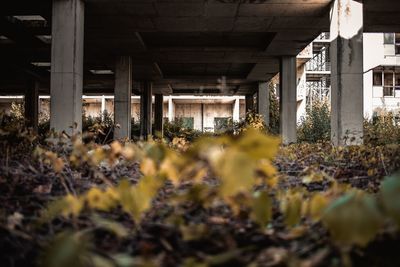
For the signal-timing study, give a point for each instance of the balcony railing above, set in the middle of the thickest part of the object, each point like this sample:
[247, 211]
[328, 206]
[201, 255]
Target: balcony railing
[325, 36]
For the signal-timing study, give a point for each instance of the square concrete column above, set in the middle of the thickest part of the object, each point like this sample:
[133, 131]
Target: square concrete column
[67, 66]
[122, 97]
[288, 99]
[347, 72]
[263, 101]
[171, 109]
[146, 110]
[159, 115]
[249, 102]
[236, 110]
[32, 105]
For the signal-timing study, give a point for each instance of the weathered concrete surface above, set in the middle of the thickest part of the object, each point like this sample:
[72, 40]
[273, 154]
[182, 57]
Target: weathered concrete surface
[249, 102]
[288, 99]
[347, 72]
[146, 109]
[67, 66]
[122, 100]
[31, 102]
[263, 101]
[159, 115]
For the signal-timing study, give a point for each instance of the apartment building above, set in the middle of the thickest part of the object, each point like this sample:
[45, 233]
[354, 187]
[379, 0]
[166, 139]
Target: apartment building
[381, 73]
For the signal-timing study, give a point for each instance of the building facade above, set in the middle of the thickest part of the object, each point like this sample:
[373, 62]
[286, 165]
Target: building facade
[381, 73]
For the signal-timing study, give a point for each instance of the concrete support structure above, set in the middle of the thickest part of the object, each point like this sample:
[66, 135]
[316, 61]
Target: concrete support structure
[122, 100]
[32, 105]
[103, 106]
[171, 109]
[146, 110]
[347, 72]
[263, 101]
[288, 99]
[236, 110]
[159, 115]
[249, 102]
[67, 65]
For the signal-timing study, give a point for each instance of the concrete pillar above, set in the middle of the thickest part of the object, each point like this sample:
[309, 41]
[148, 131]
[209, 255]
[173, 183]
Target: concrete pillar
[146, 110]
[67, 66]
[249, 102]
[103, 106]
[288, 99]
[236, 110]
[171, 109]
[32, 105]
[347, 72]
[122, 97]
[263, 101]
[159, 115]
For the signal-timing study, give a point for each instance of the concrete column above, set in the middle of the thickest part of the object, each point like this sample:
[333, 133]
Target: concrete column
[347, 72]
[146, 110]
[122, 97]
[288, 99]
[159, 115]
[67, 66]
[32, 105]
[171, 109]
[236, 110]
[103, 106]
[263, 101]
[249, 102]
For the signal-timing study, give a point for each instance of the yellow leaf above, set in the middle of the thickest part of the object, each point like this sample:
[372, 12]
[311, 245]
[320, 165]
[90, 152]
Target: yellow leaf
[58, 165]
[72, 206]
[148, 167]
[258, 145]
[236, 171]
[318, 204]
[261, 208]
[291, 207]
[116, 147]
[353, 219]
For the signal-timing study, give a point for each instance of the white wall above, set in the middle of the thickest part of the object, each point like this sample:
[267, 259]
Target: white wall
[374, 56]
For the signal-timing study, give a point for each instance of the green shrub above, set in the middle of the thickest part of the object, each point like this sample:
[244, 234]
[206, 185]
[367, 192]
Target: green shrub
[177, 129]
[381, 130]
[315, 126]
[274, 115]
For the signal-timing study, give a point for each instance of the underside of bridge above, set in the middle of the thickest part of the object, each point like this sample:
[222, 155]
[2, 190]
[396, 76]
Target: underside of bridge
[224, 47]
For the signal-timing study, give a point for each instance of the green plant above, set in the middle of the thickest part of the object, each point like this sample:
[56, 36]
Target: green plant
[382, 129]
[177, 129]
[316, 125]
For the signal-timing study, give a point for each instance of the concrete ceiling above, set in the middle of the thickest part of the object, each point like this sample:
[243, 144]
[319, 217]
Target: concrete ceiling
[184, 46]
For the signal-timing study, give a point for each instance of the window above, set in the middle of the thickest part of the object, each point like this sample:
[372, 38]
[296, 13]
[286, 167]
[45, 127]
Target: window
[188, 123]
[397, 43]
[388, 89]
[397, 81]
[220, 124]
[377, 79]
[388, 38]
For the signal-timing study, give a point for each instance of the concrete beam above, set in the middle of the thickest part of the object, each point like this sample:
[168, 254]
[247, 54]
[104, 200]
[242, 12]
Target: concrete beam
[32, 105]
[288, 99]
[263, 101]
[347, 72]
[123, 93]
[158, 115]
[67, 66]
[146, 110]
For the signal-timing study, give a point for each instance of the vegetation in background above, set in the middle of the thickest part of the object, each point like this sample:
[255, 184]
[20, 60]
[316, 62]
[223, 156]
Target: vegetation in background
[229, 200]
[274, 114]
[315, 126]
[382, 129]
[179, 129]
